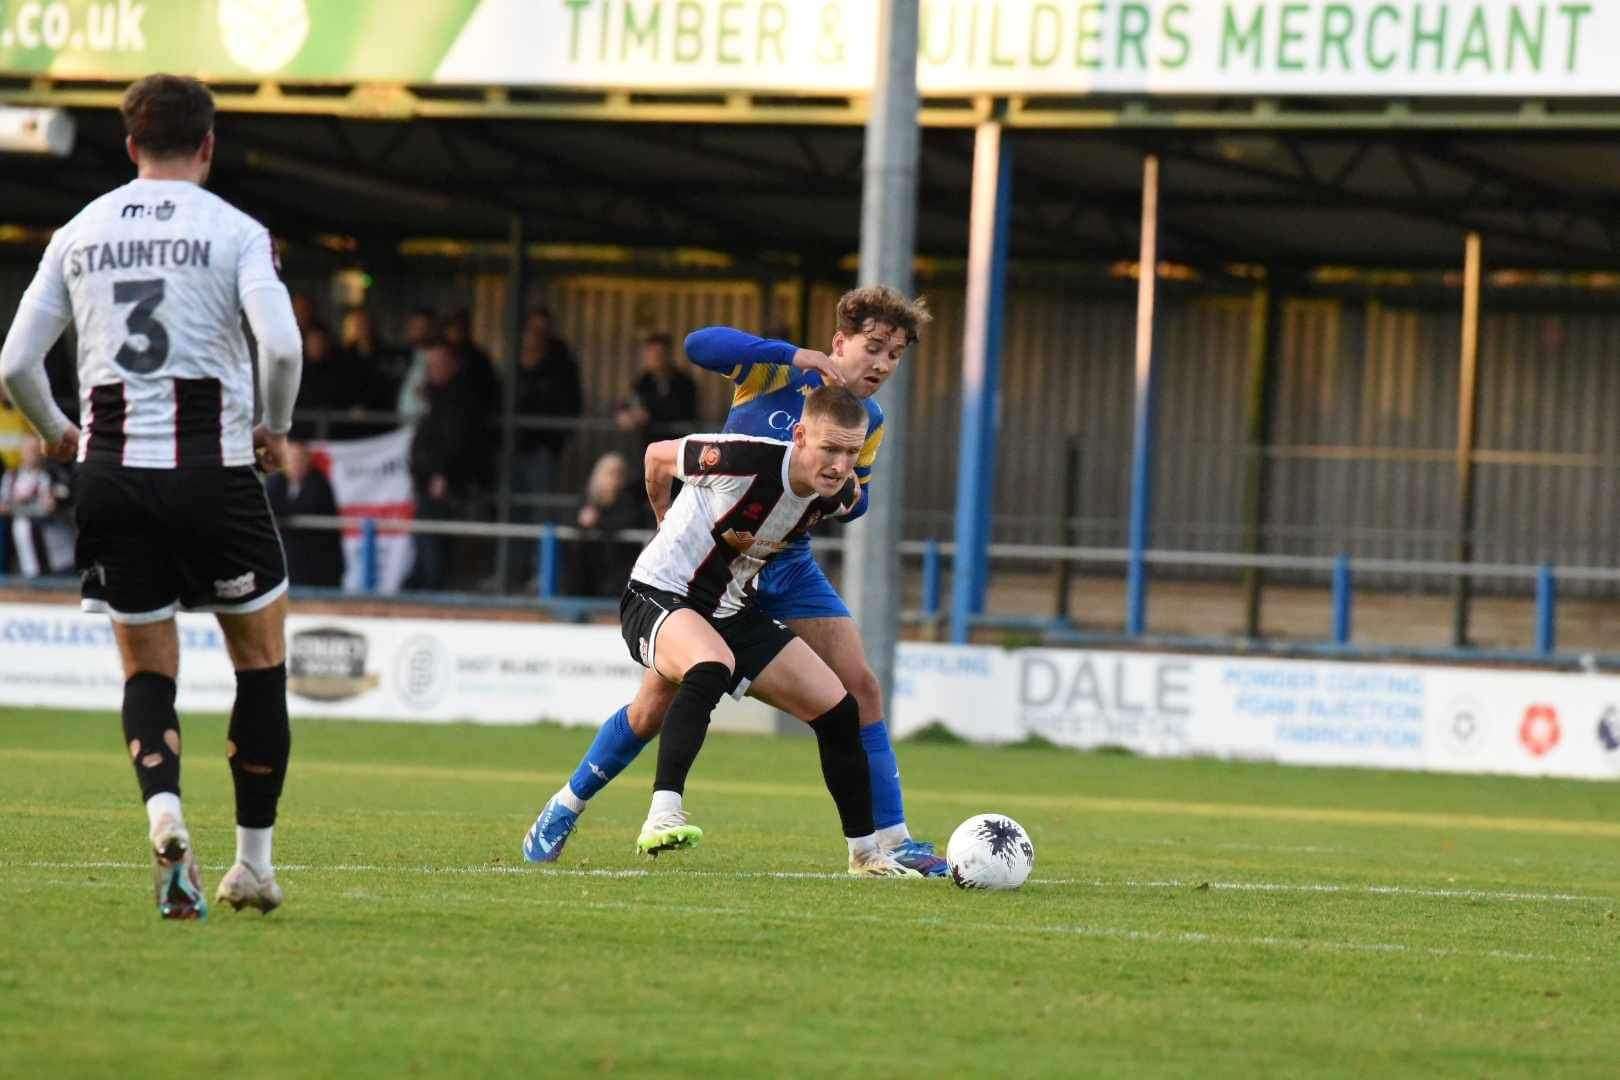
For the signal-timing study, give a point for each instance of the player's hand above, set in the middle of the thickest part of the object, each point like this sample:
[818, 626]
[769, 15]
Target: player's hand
[270, 448]
[810, 360]
[589, 517]
[65, 448]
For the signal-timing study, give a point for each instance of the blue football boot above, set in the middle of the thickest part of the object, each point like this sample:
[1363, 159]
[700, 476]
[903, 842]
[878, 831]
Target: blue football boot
[919, 855]
[544, 841]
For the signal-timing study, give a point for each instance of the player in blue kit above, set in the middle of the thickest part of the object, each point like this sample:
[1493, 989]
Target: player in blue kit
[876, 325]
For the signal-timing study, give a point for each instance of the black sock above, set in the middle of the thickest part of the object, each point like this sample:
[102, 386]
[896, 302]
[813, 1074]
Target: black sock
[687, 722]
[843, 765]
[152, 732]
[259, 743]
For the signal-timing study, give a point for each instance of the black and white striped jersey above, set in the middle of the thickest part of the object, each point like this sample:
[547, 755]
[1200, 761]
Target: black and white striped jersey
[153, 275]
[735, 513]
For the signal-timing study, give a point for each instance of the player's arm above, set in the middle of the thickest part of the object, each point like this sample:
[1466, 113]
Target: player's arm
[659, 467]
[269, 312]
[43, 314]
[751, 362]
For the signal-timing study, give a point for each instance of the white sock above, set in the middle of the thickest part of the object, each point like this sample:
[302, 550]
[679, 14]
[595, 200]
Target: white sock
[892, 836]
[566, 796]
[863, 845]
[664, 802]
[163, 804]
[253, 848]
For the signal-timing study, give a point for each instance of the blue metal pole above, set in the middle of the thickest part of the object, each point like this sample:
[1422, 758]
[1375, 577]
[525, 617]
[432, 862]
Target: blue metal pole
[1546, 610]
[1142, 435]
[368, 556]
[548, 562]
[930, 582]
[981, 373]
[1341, 600]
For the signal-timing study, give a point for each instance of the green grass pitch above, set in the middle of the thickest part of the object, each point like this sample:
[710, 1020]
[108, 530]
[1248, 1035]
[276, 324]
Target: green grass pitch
[1185, 918]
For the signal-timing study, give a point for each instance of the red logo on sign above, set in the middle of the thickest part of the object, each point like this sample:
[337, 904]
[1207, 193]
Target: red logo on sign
[710, 457]
[1539, 731]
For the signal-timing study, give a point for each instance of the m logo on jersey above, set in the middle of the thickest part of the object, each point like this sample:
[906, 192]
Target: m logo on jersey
[710, 457]
[132, 210]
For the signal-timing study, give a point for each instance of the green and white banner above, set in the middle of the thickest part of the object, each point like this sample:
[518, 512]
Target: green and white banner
[1352, 47]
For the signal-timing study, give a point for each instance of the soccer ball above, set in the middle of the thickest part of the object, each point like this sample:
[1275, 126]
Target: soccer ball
[990, 851]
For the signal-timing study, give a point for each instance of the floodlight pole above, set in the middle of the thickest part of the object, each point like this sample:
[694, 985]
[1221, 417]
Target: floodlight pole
[1143, 421]
[988, 232]
[872, 581]
[1467, 422]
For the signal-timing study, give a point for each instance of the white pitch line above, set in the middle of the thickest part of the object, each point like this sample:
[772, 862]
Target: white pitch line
[1112, 933]
[1326, 888]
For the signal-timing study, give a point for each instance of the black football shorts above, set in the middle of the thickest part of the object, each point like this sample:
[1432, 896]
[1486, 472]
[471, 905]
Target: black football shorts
[154, 540]
[753, 637]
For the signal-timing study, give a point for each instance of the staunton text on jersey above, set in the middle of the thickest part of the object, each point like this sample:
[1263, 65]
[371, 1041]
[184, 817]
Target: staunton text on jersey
[136, 254]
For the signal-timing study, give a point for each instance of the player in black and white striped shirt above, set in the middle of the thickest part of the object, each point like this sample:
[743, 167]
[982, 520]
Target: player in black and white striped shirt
[157, 276]
[689, 611]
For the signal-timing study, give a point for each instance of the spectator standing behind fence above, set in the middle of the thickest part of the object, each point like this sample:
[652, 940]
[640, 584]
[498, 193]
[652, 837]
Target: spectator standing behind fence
[375, 371]
[450, 441]
[303, 309]
[663, 400]
[548, 386]
[613, 502]
[32, 495]
[314, 556]
[14, 432]
[421, 326]
[325, 385]
[483, 389]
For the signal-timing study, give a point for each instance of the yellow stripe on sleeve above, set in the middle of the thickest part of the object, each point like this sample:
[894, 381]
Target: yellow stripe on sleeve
[869, 452]
[753, 385]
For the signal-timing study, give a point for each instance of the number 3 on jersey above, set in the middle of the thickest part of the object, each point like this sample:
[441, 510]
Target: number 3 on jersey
[146, 295]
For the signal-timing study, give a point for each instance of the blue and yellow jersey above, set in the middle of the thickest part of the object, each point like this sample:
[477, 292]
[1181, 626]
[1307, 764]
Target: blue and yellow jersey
[769, 395]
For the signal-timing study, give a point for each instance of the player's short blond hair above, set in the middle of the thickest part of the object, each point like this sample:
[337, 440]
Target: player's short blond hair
[836, 405]
[862, 309]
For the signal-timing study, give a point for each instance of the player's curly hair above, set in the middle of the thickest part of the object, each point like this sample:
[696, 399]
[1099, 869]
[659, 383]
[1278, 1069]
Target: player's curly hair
[168, 115]
[875, 305]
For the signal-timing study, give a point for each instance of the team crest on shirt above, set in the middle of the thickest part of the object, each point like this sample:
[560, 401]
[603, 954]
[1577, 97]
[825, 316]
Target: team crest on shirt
[754, 511]
[710, 457]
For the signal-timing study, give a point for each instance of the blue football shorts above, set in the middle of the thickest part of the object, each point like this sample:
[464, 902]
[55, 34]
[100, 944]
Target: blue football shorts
[793, 586]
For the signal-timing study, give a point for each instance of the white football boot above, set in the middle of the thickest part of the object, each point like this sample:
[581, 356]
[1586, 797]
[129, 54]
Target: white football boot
[242, 886]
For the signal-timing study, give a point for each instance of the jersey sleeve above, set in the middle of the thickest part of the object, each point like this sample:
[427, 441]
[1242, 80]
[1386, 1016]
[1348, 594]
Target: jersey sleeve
[712, 460]
[49, 290]
[753, 363]
[256, 264]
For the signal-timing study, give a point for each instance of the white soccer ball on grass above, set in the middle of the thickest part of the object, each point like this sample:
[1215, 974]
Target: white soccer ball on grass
[990, 851]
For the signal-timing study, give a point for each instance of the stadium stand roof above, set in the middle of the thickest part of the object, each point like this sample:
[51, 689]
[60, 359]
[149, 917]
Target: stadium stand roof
[1292, 198]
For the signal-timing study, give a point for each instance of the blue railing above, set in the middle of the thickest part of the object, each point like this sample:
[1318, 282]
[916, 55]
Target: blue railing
[1342, 571]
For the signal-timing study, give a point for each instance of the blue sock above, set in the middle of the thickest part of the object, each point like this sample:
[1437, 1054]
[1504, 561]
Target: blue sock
[888, 807]
[614, 748]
